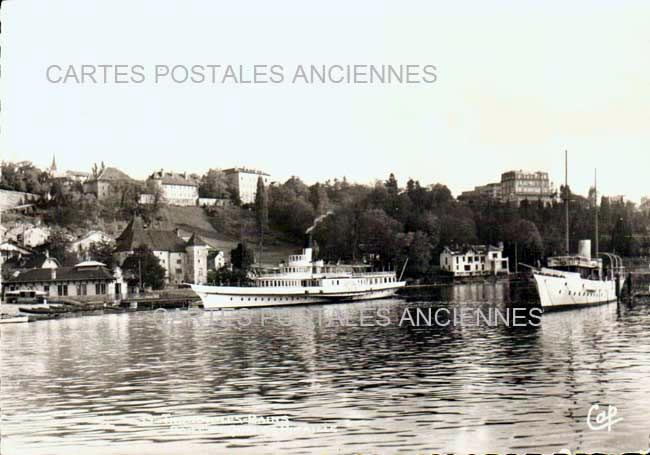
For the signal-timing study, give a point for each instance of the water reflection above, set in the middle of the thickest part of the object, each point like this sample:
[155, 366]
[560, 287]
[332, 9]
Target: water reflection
[116, 383]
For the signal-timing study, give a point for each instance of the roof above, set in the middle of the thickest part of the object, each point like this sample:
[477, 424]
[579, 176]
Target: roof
[195, 240]
[91, 264]
[11, 245]
[37, 260]
[478, 249]
[170, 178]
[63, 274]
[244, 170]
[112, 174]
[135, 235]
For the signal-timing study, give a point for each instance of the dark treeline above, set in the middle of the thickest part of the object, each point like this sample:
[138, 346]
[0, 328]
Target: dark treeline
[385, 224]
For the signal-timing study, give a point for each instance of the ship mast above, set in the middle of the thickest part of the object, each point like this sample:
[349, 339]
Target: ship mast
[566, 198]
[596, 207]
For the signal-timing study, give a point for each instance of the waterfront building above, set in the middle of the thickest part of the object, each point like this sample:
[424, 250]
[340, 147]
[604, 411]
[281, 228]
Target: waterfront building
[182, 260]
[244, 181]
[103, 184]
[197, 260]
[177, 189]
[84, 281]
[519, 186]
[474, 260]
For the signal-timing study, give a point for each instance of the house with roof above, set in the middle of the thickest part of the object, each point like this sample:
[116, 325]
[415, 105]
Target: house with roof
[9, 249]
[176, 189]
[102, 184]
[82, 244]
[88, 280]
[474, 260]
[183, 261]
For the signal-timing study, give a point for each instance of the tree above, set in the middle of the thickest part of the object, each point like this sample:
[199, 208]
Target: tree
[523, 236]
[143, 264]
[102, 252]
[59, 247]
[261, 213]
[213, 184]
[318, 198]
[242, 257]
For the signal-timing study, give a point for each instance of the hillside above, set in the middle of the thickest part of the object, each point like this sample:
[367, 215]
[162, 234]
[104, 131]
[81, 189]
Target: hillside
[223, 228]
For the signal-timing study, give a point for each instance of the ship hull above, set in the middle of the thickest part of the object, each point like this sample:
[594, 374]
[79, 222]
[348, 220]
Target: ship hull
[563, 290]
[218, 297]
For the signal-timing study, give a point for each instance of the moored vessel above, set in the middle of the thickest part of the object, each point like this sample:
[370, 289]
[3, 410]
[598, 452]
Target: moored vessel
[578, 280]
[303, 281]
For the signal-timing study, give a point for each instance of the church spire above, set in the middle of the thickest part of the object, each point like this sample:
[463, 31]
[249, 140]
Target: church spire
[53, 166]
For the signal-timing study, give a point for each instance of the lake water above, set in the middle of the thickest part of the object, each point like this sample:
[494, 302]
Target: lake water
[314, 379]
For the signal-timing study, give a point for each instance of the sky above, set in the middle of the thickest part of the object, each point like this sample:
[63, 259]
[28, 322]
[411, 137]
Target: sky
[518, 83]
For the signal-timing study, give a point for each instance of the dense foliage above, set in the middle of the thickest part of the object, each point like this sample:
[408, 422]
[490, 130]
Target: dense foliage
[143, 264]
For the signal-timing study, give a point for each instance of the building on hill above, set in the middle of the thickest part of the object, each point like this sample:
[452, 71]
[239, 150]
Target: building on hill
[182, 260]
[86, 280]
[177, 189]
[474, 260]
[102, 184]
[10, 249]
[489, 192]
[519, 186]
[244, 181]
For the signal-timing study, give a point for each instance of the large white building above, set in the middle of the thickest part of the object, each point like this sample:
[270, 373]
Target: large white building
[176, 189]
[244, 181]
[474, 260]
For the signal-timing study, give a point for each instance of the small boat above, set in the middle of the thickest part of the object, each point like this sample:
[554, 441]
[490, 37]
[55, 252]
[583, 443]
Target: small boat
[44, 311]
[10, 319]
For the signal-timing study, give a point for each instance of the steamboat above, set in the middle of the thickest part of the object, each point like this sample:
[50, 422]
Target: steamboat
[302, 281]
[577, 280]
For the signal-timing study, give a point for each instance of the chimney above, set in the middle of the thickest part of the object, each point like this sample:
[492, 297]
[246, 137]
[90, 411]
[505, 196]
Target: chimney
[47, 254]
[53, 274]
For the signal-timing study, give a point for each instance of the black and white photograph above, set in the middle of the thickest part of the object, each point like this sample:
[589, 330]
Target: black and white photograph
[330, 228]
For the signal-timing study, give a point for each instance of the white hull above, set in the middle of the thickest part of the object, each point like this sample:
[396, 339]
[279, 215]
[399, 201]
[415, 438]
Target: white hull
[559, 289]
[217, 297]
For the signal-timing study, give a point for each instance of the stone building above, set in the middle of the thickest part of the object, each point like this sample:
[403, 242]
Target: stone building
[102, 184]
[182, 260]
[176, 189]
[244, 181]
[518, 186]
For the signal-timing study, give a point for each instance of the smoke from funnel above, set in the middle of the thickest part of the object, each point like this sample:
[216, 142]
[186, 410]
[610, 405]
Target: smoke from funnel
[318, 220]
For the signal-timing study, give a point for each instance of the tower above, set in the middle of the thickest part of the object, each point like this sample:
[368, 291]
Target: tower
[197, 260]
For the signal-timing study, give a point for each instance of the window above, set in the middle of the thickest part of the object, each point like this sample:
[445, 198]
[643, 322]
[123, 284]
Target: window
[100, 288]
[82, 289]
[179, 261]
[46, 289]
[62, 289]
